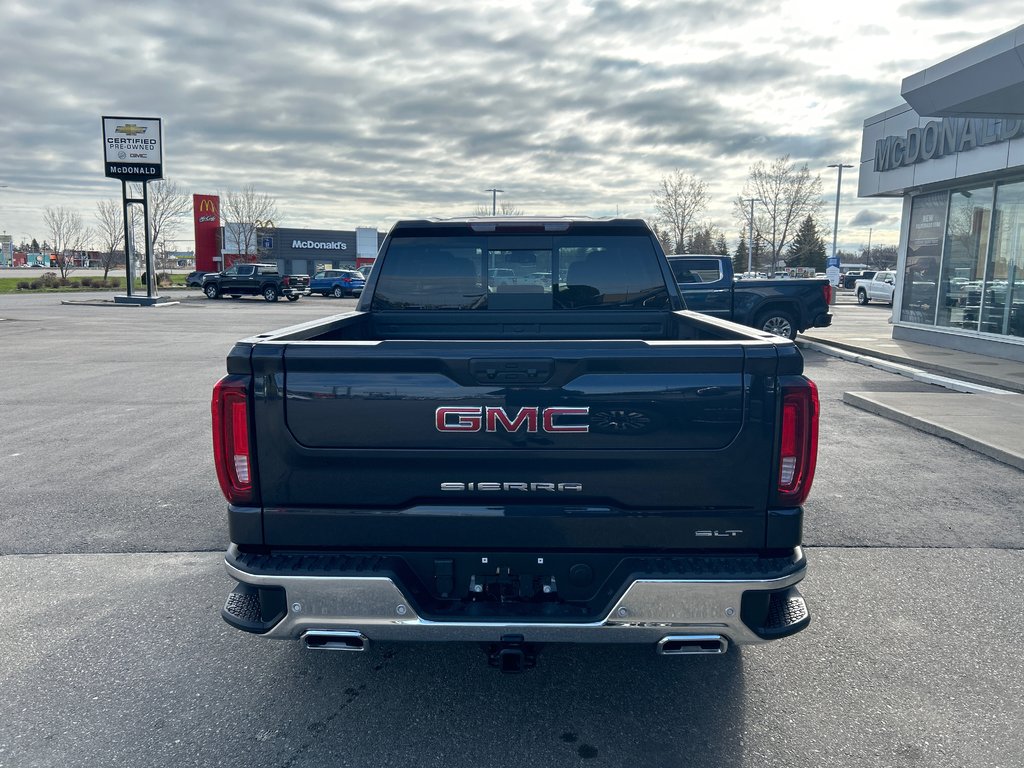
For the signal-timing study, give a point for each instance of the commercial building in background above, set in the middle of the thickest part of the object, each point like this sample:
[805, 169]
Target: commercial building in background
[306, 251]
[295, 251]
[958, 165]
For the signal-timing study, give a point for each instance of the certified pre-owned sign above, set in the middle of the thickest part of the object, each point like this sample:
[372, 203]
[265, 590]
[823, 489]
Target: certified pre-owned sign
[133, 148]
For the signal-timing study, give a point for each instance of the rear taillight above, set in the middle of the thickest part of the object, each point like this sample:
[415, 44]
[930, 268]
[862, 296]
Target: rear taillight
[827, 290]
[232, 453]
[798, 445]
[286, 281]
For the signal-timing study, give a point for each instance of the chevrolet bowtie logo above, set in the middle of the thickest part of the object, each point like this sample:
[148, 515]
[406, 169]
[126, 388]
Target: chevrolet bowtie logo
[130, 129]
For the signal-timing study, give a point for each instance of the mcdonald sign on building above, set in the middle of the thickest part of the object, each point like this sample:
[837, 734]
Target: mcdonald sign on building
[295, 251]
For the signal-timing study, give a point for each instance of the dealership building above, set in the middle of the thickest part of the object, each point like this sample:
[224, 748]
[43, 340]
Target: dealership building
[954, 153]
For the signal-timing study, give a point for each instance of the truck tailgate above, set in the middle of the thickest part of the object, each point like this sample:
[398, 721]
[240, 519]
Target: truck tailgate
[497, 444]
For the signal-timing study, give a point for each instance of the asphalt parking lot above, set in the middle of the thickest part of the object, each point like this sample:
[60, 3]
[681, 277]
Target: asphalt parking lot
[112, 528]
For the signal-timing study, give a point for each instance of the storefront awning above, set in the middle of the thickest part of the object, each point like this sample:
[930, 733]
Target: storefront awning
[985, 81]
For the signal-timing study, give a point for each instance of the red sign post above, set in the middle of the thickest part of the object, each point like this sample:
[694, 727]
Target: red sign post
[206, 214]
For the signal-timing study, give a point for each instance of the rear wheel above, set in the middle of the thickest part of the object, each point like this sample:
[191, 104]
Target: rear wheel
[270, 293]
[862, 296]
[211, 291]
[338, 293]
[293, 298]
[778, 322]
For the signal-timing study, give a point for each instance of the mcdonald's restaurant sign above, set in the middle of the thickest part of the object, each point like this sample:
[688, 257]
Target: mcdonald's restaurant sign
[133, 148]
[206, 209]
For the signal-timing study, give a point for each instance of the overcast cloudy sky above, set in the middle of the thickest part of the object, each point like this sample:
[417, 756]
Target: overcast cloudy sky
[360, 113]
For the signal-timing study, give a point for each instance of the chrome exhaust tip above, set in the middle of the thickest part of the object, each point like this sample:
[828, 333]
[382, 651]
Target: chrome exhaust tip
[334, 640]
[692, 645]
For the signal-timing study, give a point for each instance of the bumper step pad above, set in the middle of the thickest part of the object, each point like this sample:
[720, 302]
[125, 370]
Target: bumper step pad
[254, 609]
[785, 610]
[772, 615]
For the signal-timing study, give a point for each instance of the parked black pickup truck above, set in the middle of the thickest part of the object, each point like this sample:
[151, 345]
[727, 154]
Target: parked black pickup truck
[570, 457]
[780, 306]
[255, 280]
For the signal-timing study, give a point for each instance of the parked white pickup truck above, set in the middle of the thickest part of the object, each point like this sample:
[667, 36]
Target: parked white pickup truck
[881, 287]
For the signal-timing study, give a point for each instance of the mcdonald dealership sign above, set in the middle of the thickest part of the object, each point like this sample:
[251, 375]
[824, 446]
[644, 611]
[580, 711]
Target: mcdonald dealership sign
[133, 148]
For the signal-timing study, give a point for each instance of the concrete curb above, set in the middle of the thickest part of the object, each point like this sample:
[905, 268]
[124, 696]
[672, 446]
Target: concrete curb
[870, 403]
[901, 368]
[875, 358]
[111, 303]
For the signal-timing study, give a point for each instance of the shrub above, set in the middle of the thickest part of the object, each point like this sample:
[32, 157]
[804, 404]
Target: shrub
[49, 279]
[113, 283]
[89, 282]
[35, 285]
[23, 285]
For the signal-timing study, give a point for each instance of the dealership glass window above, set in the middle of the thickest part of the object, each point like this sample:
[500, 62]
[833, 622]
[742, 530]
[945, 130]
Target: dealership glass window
[963, 263]
[924, 254]
[1003, 298]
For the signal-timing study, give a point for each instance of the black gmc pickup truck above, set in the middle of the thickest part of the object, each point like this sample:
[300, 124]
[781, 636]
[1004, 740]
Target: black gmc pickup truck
[255, 280]
[783, 306]
[569, 457]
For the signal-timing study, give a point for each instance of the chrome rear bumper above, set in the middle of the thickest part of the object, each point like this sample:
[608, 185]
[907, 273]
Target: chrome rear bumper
[650, 611]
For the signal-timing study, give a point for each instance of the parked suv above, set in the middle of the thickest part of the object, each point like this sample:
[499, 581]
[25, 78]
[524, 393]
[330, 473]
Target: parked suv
[195, 279]
[338, 283]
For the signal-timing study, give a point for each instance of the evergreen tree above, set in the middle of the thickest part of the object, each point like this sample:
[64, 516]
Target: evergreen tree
[663, 237]
[739, 256]
[707, 238]
[739, 259]
[807, 248]
[35, 245]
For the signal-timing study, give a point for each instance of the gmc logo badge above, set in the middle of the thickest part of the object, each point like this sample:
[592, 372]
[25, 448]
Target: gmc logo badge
[474, 418]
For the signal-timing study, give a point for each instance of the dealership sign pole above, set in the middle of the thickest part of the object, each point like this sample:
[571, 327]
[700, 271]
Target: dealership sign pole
[133, 152]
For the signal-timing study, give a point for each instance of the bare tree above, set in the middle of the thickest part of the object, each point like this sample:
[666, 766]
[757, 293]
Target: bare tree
[505, 208]
[679, 200]
[243, 213]
[110, 232]
[784, 196]
[67, 234]
[168, 206]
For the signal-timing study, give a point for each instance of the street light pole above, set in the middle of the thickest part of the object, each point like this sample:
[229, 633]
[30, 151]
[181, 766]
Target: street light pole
[835, 226]
[494, 200]
[750, 243]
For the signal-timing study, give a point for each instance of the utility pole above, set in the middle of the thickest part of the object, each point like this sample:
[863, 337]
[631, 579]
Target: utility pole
[870, 230]
[494, 200]
[750, 243]
[835, 228]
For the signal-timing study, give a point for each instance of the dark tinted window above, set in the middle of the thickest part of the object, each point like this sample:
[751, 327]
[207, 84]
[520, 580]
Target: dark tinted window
[520, 272]
[692, 270]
